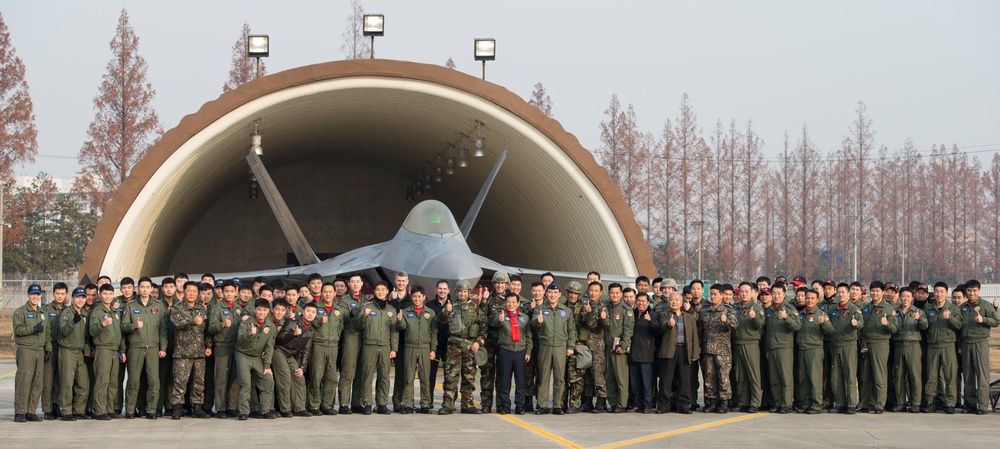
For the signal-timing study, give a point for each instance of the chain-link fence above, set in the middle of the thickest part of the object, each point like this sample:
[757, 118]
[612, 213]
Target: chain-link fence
[14, 292]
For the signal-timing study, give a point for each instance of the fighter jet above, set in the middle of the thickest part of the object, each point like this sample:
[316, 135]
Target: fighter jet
[430, 245]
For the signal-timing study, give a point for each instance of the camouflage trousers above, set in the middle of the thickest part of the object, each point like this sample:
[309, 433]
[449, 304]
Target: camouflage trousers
[183, 370]
[715, 370]
[531, 388]
[574, 382]
[488, 373]
[459, 367]
[594, 382]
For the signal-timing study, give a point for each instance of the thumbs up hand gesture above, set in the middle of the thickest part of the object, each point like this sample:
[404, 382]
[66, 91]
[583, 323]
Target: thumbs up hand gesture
[253, 329]
[915, 315]
[138, 323]
[673, 322]
[399, 316]
[198, 319]
[298, 331]
[106, 321]
[604, 314]
[367, 311]
[885, 321]
[979, 318]
[752, 313]
[228, 322]
[540, 320]
[946, 314]
[723, 317]
[783, 314]
[854, 321]
[822, 318]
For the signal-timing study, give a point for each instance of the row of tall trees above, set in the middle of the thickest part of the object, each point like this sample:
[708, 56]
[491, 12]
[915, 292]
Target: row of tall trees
[711, 204]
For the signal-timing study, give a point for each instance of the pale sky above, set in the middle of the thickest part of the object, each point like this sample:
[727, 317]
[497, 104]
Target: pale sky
[927, 70]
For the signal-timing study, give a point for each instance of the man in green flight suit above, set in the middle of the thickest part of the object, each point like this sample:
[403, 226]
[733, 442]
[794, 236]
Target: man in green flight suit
[74, 380]
[944, 322]
[847, 321]
[746, 349]
[907, 365]
[144, 324]
[420, 324]
[380, 342]
[556, 335]
[781, 324]
[34, 344]
[618, 342]
[109, 347]
[254, 351]
[50, 382]
[880, 324]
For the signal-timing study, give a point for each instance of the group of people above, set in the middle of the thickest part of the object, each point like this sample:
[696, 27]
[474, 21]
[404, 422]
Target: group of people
[233, 349]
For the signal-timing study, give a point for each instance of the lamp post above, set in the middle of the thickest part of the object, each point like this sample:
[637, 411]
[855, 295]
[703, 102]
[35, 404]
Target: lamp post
[373, 25]
[257, 47]
[485, 50]
[701, 232]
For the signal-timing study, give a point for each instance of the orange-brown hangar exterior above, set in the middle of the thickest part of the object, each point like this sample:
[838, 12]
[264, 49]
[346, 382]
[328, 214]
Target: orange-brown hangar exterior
[343, 141]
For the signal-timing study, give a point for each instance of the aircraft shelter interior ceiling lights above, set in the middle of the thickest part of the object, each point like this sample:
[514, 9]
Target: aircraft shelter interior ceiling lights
[552, 206]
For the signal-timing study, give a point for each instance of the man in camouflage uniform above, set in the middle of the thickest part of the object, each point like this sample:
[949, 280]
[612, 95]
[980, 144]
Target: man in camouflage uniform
[574, 375]
[715, 325]
[489, 307]
[465, 338]
[189, 319]
[595, 322]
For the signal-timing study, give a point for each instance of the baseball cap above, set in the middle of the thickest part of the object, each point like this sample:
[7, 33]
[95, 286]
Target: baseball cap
[553, 286]
[79, 291]
[34, 289]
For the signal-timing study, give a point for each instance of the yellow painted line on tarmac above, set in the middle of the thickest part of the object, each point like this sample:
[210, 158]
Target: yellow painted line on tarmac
[684, 430]
[542, 432]
[535, 429]
[8, 374]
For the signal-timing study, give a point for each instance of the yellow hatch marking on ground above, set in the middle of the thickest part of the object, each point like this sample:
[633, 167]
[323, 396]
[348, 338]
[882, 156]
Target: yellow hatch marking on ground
[684, 430]
[8, 374]
[538, 430]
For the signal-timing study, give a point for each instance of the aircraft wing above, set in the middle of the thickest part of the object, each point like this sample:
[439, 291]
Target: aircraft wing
[358, 260]
[561, 276]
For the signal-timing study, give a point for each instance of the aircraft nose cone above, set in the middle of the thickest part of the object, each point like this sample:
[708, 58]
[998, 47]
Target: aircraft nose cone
[452, 265]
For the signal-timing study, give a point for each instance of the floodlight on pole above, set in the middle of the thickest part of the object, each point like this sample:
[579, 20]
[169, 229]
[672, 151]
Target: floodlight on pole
[373, 25]
[258, 46]
[485, 50]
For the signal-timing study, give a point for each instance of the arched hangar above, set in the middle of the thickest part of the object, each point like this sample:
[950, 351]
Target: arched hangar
[343, 141]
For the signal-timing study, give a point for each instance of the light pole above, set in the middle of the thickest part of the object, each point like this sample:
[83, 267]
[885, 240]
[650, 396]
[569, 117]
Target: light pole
[373, 25]
[257, 47]
[701, 232]
[485, 50]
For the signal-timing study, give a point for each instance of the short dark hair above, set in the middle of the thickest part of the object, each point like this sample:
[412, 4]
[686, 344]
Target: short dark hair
[597, 283]
[594, 273]
[126, 281]
[192, 284]
[60, 286]
[314, 276]
[537, 284]
[641, 279]
[615, 285]
[941, 284]
[204, 287]
[106, 288]
[182, 275]
[417, 289]
[167, 280]
[972, 283]
[765, 279]
[696, 281]
[145, 279]
[280, 302]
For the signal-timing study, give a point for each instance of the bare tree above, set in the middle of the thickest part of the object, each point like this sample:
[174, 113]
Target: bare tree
[125, 124]
[244, 68]
[690, 146]
[356, 45]
[749, 166]
[18, 137]
[541, 100]
[991, 222]
[858, 147]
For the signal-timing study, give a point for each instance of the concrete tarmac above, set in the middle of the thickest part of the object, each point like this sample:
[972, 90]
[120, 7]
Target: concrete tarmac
[583, 430]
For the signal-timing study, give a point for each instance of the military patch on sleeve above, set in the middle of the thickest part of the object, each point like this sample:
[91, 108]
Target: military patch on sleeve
[267, 329]
[336, 313]
[629, 314]
[427, 315]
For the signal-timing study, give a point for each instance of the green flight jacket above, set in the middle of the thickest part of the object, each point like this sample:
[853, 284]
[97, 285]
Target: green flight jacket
[942, 332]
[749, 329]
[421, 329]
[844, 333]
[910, 329]
[25, 320]
[52, 312]
[153, 333]
[504, 328]
[622, 324]
[110, 336]
[261, 342]
[378, 327]
[353, 307]
[780, 333]
[217, 320]
[973, 332]
[72, 335]
[328, 334]
[812, 334]
[557, 328]
[874, 329]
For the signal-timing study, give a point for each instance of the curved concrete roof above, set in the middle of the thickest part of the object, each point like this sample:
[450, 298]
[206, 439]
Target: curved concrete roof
[552, 206]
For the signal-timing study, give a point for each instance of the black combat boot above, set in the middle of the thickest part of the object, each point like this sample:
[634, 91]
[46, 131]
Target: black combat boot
[587, 404]
[601, 406]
